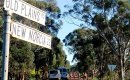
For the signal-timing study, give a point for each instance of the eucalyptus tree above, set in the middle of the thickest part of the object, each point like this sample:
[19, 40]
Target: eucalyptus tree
[79, 43]
[60, 56]
[50, 1]
[89, 51]
[110, 18]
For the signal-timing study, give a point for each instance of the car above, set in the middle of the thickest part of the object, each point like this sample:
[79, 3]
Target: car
[54, 74]
[64, 73]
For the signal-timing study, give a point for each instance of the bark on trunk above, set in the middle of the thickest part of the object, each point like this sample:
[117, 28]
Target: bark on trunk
[23, 77]
[122, 70]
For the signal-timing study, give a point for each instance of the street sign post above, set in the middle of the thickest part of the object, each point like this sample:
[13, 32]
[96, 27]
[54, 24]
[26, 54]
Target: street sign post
[29, 34]
[26, 10]
[21, 31]
[6, 44]
[111, 68]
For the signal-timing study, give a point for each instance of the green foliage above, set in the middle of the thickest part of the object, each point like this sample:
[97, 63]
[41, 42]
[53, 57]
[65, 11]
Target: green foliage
[81, 46]
[1, 21]
[67, 64]
[110, 20]
[54, 59]
[90, 51]
[57, 48]
[21, 57]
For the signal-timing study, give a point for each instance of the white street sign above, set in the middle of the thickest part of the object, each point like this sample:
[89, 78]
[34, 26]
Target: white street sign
[29, 34]
[26, 10]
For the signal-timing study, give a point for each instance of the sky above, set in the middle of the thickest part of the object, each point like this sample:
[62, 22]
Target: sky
[66, 28]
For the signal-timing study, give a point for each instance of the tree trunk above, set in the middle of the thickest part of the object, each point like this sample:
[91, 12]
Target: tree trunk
[23, 77]
[122, 70]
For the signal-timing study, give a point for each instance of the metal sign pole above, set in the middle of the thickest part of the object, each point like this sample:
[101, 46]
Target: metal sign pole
[111, 73]
[6, 44]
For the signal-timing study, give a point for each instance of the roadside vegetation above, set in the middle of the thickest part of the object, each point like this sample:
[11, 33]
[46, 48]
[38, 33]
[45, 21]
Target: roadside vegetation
[102, 39]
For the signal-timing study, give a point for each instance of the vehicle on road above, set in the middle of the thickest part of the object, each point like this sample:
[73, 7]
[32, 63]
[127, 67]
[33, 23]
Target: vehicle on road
[64, 73]
[54, 74]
